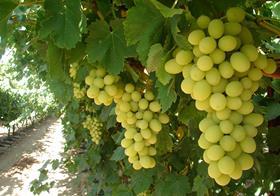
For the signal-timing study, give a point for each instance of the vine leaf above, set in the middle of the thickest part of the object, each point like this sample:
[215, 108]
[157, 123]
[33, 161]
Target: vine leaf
[141, 180]
[118, 154]
[64, 23]
[166, 95]
[201, 185]
[6, 8]
[143, 31]
[108, 47]
[165, 143]
[272, 111]
[173, 185]
[166, 11]
[155, 62]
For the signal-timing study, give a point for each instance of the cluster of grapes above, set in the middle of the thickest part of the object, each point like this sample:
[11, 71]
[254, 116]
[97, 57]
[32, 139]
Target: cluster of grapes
[221, 73]
[103, 87]
[95, 128]
[73, 70]
[78, 91]
[140, 115]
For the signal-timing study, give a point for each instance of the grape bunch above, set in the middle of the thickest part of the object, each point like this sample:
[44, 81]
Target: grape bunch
[78, 91]
[140, 114]
[221, 73]
[95, 128]
[103, 87]
[73, 70]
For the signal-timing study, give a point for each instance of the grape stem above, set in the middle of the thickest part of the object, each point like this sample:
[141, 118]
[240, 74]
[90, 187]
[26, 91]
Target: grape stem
[264, 24]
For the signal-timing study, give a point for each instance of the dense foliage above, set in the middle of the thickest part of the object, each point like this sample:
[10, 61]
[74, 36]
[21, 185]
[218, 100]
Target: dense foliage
[128, 124]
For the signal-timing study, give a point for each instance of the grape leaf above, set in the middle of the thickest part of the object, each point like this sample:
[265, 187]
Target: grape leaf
[108, 47]
[166, 95]
[6, 8]
[173, 185]
[166, 11]
[118, 154]
[54, 58]
[201, 185]
[165, 143]
[143, 31]
[155, 62]
[142, 180]
[64, 23]
[272, 111]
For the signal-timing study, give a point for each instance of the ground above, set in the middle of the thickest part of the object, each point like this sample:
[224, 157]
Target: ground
[20, 164]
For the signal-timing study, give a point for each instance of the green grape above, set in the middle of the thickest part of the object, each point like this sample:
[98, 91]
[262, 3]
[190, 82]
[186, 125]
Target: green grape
[240, 62]
[237, 172]
[226, 126]
[218, 101]
[236, 118]
[148, 115]
[155, 106]
[235, 14]
[98, 82]
[205, 123]
[217, 56]
[109, 79]
[155, 125]
[135, 96]
[196, 51]
[226, 165]
[149, 95]
[246, 83]
[207, 45]
[204, 63]
[222, 180]
[183, 57]
[215, 152]
[251, 131]
[223, 114]
[146, 133]
[163, 118]
[255, 74]
[203, 143]
[125, 143]
[111, 90]
[248, 145]
[196, 74]
[89, 80]
[205, 157]
[228, 143]
[213, 76]
[172, 67]
[213, 134]
[220, 88]
[143, 104]
[203, 21]
[226, 70]
[227, 43]
[216, 28]
[253, 119]
[186, 71]
[92, 92]
[234, 89]
[138, 146]
[236, 152]
[201, 90]
[203, 105]
[271, 66]
[246, 36]
[238, 133]
[234, 103]
[250, 51]
[232, 28]
[246, 161]
[247, 107]
[195, 37]
[187, 85]
[213, 170]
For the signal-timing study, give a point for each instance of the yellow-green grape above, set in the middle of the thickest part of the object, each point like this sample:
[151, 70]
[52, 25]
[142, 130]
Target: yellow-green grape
[213, 170]
[228, 143]
[146, 133]
[163, 118]
[205, 157]
[246, 83]
[251, 131]
[196, 51]
[220, 88]
[203, 143]
[95, 126]
[261, 61]
[155, 125]
[255, 74]
[247, 107]
[238, 133]
[196, 74]
[111, 90]
[253, 119]
[238, 43]
[235, 14]
[205, 123]
[222, 180]
[246, 95]
[226, 126]
[223, 114]
[183, 57]
[235, 117]
[218, 101]
[234, 103]
[232, 28]
[248, 145]
[237, 172]
[215, 152]
[186, 70]
[148, 115]
[207, 45]
[213, 134]
[203, 105]
[240, 62]
[187, 85]
[250, 51]
[155, 106]
[203, 21]
[172, 67]
[226, 165]
[234, 89]
[236, 152]
[204, 63]
[109, 79]
[129, 88]
[226, 70]
[195, 37]
[246, 161]
[201, 90]
[227, 43]
[89, 80]
[213, 76]
[271, 66]
[216, 28]
[147, 162]
[246, 36]
[217, 56]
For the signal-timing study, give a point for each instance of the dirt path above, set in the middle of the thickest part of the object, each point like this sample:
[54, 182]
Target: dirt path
[19, 166]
